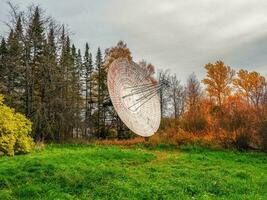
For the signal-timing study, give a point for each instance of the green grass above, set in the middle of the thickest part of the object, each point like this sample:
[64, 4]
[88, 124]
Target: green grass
[108, 172]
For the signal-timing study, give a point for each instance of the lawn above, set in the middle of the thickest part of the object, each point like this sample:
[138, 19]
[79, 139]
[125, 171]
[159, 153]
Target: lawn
[112, 172]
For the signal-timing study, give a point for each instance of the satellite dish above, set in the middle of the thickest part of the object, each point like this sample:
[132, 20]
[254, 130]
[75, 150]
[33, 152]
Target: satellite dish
[134, 96]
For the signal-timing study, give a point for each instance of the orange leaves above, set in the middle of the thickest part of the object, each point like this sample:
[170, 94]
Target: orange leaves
[235, 102]
[119, 51]
[250, 85]
[219, 78]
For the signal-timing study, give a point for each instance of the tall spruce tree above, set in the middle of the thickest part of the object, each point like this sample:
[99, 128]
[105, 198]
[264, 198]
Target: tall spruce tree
[13, 65]
[50, 92]
[100, 95]
[3, 66]
[75, 90]
[66, 64]
[18, 59]
[88, 78]
[36, 37]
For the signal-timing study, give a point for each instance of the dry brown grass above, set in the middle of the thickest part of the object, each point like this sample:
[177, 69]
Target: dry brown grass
[177, 136]
[181, 137]
[39, 145]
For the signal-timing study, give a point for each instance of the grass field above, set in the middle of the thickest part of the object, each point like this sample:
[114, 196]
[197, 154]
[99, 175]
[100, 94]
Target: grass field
[108, 172]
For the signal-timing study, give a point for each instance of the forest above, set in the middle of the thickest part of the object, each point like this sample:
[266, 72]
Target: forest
[62, 90]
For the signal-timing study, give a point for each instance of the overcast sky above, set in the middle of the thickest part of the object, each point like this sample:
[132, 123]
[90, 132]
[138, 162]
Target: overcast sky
[181, 35]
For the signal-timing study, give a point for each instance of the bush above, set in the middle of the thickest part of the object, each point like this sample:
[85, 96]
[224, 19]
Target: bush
[263, 134]
[23, 144]
[14, 131]
[7, 143]
[243, 140]
[167, 123]
[193, 124]
[180, 137]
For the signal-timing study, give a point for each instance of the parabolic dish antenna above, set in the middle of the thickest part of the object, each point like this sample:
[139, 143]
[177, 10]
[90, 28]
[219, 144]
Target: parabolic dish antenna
[134, 97]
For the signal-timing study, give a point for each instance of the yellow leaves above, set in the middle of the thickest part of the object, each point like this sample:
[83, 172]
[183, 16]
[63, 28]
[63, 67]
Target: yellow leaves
[7, 143]
[13, 123]
[14, 131]
[23, 144]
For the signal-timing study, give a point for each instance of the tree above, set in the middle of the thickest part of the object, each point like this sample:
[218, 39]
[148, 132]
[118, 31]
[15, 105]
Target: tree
[101, 77]
[149, 70]
[89, 84]
[14, 64]
[251, 85]
[194, 119]
[49, 87]
[37, 89]
[3, 65]
[177, 94]
[164, 76]
[218, 80]
[66, 64]
[193, 94]
[76, 90]
[118, 51]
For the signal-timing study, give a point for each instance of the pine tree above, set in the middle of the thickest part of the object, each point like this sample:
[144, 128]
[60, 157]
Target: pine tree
[79, 94]
[3, 66]
[88, 78]
[60, 89]
[50, 93]
[66, 64]
[100, 95]
[37, 69]
[14, 64]
[75, 90]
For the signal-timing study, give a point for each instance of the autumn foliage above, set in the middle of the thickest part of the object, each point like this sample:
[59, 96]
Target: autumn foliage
[15, 131]
[231, 112]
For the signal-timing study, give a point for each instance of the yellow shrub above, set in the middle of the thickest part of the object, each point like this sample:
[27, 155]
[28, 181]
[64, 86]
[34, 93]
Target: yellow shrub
[7, 143]
[15, 131]
[23, 144]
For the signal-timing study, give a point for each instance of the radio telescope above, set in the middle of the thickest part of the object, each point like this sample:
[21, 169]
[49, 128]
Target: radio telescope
[134, 97]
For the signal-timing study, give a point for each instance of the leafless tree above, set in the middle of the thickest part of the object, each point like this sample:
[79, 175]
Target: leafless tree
[177, 95]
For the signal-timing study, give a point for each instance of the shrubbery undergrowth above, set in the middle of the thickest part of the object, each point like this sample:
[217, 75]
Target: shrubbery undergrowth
[15, 131]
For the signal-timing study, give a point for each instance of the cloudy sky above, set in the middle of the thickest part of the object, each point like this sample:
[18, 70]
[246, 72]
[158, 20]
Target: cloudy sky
[181, 35]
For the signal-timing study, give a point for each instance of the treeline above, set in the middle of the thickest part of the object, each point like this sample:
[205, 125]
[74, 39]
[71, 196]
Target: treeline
[231, 110]
[63, 90]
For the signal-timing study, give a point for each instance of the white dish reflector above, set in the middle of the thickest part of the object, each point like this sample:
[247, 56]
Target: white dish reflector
[134, 97]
